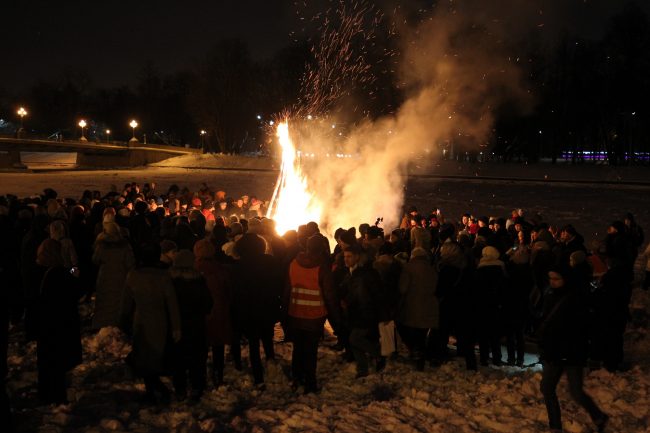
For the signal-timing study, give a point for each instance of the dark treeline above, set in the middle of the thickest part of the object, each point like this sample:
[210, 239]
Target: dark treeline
[590, 95]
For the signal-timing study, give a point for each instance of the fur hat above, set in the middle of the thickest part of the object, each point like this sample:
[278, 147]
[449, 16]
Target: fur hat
[418, 252]
[577, 257]
[112, 229]
[490, 253]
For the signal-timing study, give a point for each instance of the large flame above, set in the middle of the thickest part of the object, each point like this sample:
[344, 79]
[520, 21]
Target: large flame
[292, 203]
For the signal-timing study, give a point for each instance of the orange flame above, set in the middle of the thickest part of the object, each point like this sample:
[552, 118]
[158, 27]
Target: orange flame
[292, 203]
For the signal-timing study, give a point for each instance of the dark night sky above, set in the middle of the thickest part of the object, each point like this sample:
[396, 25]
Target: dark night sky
[111, 40]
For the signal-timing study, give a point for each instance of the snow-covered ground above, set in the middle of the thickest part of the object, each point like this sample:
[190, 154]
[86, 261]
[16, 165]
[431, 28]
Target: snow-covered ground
[105, 397]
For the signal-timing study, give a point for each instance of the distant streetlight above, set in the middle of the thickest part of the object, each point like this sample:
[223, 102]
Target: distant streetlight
[22, 113]
[108, 135]
[82, 124]
[309, 117]
[133, 125]
[203, 132]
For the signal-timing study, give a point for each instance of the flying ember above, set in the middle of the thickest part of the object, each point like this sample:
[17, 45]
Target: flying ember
[292, 203]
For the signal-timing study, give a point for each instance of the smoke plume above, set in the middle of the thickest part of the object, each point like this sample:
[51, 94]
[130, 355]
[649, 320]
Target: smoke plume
[455, 71]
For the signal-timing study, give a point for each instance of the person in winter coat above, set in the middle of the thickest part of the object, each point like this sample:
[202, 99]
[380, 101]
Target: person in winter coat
[218, 322]
[563, 348]
[58, 231]
[150, 310]
[490, 284]
[570, 241]
[365, 308]
[58, 340]
[258, 283]
[31, 272]
[515, 304]
[389, 270]
[612, 314]
[620, 250]
[308, 299]
[418, 311]
[114, 257]
[83, 245]
[194, 304]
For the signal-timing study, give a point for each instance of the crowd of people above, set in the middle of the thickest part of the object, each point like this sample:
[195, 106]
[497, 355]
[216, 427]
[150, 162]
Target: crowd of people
[186, 274]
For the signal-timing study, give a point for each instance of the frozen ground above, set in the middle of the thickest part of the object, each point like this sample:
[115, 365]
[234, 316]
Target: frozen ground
[106, 398]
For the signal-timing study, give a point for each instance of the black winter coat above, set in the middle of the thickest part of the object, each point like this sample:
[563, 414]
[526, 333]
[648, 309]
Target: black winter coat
[59, 328]
[194, 303]
[489, 288]
[365, 299]
[564, 330]
[517, 295]
[258, 286]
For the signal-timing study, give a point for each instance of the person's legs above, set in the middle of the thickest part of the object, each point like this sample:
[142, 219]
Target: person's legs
[495, 344]
[359, 347]
[484, 346]
[551, 374]
[197, 371]
[575, 379]
[310, 359]
[511, 341]
[235, 350]
[298, 356]
[267, 341]
[153, 385]
[520, 344]
[406, 334]
[465, 342]
[217, 364]
[254, 355]
[179, 377]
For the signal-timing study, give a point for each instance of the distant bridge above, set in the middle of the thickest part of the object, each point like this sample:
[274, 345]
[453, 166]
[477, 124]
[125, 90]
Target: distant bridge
[91, 154]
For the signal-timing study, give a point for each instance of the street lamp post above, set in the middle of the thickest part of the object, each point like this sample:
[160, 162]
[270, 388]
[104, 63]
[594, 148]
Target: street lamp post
[203, 132]
[108, 135]
[82, 124]
[133, 125]
[21, 113]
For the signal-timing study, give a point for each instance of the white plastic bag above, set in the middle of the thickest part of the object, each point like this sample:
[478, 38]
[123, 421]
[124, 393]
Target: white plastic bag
[387, 338]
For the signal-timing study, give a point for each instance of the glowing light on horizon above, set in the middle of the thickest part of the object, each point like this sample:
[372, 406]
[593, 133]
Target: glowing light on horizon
[292, 203]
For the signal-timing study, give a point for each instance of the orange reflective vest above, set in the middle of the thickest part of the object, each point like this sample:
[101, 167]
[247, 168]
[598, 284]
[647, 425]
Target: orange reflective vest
[306, 298]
